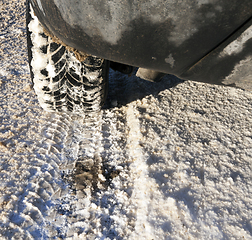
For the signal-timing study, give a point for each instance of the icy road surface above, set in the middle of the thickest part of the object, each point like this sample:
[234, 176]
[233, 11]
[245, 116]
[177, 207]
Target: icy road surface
[161, 161]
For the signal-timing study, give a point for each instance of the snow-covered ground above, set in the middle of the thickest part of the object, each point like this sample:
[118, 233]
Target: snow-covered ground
[170, 160]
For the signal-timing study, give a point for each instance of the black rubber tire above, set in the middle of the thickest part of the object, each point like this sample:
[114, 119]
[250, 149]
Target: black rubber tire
[61, 82]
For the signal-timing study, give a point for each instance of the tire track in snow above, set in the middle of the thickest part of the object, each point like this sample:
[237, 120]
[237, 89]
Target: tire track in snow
[110, 210]
[116, 197]
[81, 168]
[32, 203]
[47, 204]
[86, 174]
[91, 161]
[57, 143]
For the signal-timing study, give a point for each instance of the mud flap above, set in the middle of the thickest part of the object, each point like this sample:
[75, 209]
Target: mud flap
[229, 64]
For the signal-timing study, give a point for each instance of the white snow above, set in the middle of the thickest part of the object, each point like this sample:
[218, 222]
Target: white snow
[167, 162]
[170, 60]
[139, 172]
[237, 45]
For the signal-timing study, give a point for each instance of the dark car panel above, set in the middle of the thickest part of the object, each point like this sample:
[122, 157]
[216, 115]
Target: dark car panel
[192, 39]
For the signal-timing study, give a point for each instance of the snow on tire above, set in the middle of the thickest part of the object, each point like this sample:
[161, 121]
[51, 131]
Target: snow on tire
[61, 82]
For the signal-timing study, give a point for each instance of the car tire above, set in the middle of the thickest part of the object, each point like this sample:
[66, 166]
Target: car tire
[61, 81]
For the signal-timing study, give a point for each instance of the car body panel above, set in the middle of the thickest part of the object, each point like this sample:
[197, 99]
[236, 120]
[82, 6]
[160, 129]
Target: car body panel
[169, 36]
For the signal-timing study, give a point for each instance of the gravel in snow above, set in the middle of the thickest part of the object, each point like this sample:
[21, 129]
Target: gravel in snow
[170, 160]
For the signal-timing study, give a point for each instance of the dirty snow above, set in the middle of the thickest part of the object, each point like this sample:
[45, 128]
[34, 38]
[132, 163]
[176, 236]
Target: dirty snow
[170, 160]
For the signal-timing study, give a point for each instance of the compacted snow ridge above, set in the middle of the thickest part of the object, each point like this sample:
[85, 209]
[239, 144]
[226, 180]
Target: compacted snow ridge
[139, 172]
[167, 160]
